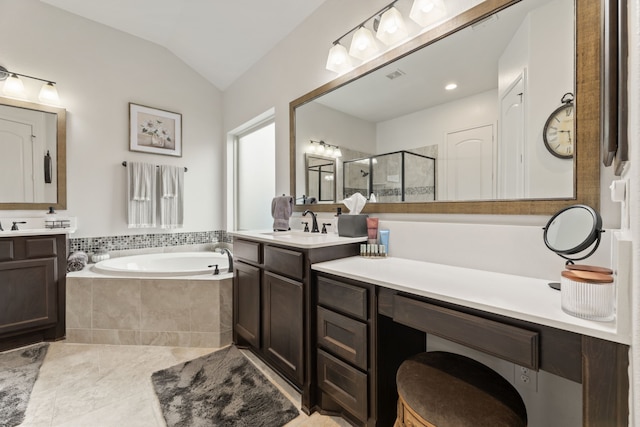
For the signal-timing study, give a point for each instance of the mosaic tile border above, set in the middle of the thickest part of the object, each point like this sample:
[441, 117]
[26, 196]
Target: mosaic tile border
[145, 241]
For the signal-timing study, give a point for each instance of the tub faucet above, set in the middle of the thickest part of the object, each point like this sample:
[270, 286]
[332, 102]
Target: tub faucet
[314, 227]
[229, 256]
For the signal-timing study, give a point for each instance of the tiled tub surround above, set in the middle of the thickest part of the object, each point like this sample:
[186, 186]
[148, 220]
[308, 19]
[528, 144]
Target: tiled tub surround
[187, 311]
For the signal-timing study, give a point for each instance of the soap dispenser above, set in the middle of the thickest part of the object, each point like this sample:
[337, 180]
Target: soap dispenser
[337, 215]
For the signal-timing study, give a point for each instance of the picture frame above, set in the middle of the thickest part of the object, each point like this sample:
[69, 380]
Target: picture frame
[155, 131]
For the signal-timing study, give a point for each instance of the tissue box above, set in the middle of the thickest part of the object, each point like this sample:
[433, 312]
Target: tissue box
[352, 225]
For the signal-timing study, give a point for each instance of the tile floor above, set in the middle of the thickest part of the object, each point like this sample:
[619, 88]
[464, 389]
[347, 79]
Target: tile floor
[91, 385]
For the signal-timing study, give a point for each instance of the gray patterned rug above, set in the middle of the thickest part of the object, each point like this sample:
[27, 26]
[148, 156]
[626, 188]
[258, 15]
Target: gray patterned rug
[18, 373]
[220, 389]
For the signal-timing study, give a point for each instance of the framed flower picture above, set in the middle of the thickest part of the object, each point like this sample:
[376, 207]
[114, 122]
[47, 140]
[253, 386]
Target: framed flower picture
[155, 131]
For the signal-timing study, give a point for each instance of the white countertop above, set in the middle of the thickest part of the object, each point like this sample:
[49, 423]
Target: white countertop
[36, 232]
[514, 296]
[298, 239]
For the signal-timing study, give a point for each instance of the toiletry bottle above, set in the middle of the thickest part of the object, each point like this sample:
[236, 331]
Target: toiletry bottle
[338, 213]
[384, 240]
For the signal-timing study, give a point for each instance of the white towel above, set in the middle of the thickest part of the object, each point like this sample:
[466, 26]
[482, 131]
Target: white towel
[141, 190]
[171, 196]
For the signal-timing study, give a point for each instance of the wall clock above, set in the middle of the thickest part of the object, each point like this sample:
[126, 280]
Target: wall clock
[558, 133]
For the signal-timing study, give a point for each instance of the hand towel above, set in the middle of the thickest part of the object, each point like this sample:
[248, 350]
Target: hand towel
[77, 261]
[171, 196]
[281, 210]
[141, 190]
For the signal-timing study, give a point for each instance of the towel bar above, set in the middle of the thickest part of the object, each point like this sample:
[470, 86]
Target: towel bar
[125, 165]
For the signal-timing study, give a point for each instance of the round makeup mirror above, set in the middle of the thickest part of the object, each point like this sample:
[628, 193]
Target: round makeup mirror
[573, 230]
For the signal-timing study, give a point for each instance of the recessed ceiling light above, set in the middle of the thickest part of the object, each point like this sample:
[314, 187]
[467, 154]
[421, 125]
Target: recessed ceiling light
[451, 86]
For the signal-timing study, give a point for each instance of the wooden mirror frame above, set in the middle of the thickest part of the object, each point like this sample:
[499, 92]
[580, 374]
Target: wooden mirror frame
[61, 156]
[588, 36]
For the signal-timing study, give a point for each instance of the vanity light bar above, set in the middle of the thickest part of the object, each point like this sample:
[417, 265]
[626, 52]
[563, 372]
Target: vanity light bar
[390, 30]
[324, 149]
[13, 86]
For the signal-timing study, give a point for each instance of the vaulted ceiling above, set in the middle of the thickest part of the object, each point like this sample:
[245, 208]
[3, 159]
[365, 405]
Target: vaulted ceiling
[219, 39]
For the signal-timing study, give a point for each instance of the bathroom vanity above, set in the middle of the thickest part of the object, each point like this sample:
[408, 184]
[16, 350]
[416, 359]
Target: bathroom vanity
[272, 297]
[32, 287]
[338, 326]
[373, 314]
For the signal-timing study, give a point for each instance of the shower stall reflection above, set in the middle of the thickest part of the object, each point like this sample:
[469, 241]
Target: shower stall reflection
[401, 176]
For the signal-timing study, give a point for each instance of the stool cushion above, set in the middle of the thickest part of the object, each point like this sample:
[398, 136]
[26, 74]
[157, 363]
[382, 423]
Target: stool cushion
[448, 389]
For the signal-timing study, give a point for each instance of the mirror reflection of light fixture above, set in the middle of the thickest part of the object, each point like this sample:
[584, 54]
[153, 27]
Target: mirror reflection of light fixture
[391, 29]
[322, 148]
[363, 44]
[14, 87]
[427, 12]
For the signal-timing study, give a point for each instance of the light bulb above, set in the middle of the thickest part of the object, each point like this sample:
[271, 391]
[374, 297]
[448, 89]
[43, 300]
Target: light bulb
[338, 59]
[391, 28]
[13, 86]
[49, 94]
[337, 152]
[427, 12]
[311, 148]
[328, 151]
[363, 45]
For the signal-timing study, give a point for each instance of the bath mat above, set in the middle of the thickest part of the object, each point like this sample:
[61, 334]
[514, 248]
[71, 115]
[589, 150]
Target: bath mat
[18, 373]
[220, 389]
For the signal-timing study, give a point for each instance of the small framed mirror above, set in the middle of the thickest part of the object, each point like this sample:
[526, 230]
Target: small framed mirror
[573, 230]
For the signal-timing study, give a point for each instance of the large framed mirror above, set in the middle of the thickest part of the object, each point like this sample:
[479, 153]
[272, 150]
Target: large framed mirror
[33, 163]
[493, 137]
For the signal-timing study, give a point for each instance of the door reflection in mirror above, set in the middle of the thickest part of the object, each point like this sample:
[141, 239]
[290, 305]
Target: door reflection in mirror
[26, 138]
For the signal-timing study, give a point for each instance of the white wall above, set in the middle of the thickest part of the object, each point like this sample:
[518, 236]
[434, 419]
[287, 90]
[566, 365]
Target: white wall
[98, 71]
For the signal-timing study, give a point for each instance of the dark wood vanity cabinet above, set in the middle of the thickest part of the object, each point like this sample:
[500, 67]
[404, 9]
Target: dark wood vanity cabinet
[246, 288]
[345, 328]
[32, 289]
[272, 300]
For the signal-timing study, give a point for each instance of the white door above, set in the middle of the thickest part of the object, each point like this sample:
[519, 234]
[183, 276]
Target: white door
[470, 165]
[16, 166]
[511, 154]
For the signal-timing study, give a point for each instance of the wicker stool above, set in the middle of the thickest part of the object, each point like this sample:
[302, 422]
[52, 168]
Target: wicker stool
[439, 389]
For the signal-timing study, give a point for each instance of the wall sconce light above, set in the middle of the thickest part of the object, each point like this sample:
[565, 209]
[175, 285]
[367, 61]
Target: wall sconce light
[363, 45]
[324, 149]
[338, 60]
[427, 12]
[14, 87]
[390, 29]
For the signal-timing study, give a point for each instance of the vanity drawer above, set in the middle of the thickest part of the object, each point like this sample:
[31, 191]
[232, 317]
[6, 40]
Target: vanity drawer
[507, 342]
[284, 261]
[348, 299]
[343, 336]
[247, 251]
[345, 384]
[40, 247]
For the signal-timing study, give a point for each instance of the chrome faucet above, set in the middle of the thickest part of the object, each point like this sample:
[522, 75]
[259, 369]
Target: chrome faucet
[229, 256]
[314, 227]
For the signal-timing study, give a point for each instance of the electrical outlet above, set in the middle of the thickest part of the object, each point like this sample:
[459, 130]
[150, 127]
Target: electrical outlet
[525, 378]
